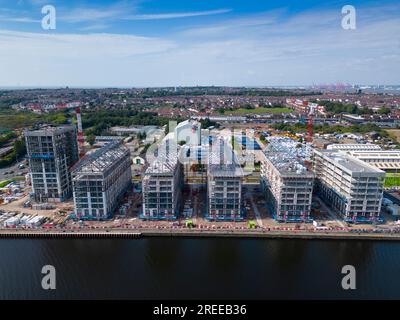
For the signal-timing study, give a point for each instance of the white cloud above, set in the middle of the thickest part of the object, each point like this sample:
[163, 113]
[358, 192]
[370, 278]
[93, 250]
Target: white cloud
[267, 49]
[163, 16]
[18, 19]
[86, 14]
[96, 26]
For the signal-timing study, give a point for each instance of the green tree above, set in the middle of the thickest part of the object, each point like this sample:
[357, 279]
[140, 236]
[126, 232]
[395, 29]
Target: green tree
[91, 139]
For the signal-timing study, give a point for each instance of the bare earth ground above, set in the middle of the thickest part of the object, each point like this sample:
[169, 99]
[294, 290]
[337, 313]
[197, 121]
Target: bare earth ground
[394, 133]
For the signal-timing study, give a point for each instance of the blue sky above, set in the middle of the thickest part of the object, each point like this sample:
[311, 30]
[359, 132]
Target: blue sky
[198, 42]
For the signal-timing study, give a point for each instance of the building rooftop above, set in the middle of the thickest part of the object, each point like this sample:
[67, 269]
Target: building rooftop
[166, 159]
[349, 162]
[162, 166]
[354, 146]
[288, 155]
[376, 154]
[102, 159]
[223, 161]
[49, 130]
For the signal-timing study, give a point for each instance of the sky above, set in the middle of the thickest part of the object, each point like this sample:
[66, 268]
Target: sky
[149, 43]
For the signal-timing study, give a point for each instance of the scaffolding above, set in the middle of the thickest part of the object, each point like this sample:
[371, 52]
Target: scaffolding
[352, 187]
[100, 179]
[287, 182]
[51, 152]
[162, 185]
[224, 183]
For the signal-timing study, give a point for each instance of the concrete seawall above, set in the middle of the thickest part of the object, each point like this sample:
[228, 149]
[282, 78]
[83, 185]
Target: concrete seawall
[64, 235]
[129, 234]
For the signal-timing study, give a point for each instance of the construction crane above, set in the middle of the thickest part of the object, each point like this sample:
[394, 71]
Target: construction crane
[310, 122]
[81, 138]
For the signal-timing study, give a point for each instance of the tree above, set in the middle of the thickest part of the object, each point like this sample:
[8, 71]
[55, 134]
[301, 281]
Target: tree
[384, 110]
[91, 139]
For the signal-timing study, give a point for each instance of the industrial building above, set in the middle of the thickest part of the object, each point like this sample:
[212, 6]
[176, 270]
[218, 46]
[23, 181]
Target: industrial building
[287, 182]
[51, 152]
[188, 131]
[353, 147]
[224, 185]
[99, 181]
[350, 186]
[388, 161]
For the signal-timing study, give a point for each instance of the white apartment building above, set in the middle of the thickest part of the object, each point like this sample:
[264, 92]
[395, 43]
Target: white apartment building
[162, 189]
[350, 186]
[224, 185]
[99, 181]
[287, 182]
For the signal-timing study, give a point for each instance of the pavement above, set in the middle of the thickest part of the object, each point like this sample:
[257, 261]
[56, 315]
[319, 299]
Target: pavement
[255, 208]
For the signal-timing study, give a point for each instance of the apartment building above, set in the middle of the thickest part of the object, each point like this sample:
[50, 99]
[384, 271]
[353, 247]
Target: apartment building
[350, 186]
[224, 185]
[100, 180]
[162, 189]
[51, 152]
[287, 182]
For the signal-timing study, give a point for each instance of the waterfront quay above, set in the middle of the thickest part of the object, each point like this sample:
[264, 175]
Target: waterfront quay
[284, 233]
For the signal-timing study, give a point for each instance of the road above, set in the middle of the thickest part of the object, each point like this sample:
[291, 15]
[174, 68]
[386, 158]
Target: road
[334, 217]
[255, 209]
[14, 168]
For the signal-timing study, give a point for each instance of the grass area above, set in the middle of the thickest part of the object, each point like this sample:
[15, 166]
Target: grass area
[261, 110]
[4, 183]
[392, 180]
[12, 119]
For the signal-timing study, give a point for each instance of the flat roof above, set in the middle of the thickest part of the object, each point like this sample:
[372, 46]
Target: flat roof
[222, 160]
[349, 162]
[376, 154]
[354, 146]
[102, 159]
[49, 130]
[287, 155]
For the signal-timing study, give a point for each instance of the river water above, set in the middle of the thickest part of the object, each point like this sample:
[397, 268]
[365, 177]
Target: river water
[188, 268]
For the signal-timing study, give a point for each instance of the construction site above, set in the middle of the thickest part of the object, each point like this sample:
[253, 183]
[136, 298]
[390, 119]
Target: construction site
[199, 180]
[286, 180]
[99, 180]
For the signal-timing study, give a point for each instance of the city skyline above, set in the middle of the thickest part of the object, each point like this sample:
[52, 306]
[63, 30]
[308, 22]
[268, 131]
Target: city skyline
[151, 43]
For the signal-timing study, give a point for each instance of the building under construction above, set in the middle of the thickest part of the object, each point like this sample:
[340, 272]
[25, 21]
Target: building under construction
[288, 183]
[352, 187]
[51, 153]
[99, 180]
[162, 188]
[224, 186]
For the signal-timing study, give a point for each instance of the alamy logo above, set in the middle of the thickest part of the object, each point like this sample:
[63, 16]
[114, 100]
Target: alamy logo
[49, 20]
[49, 280]
[349, 280]
[349, 18]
